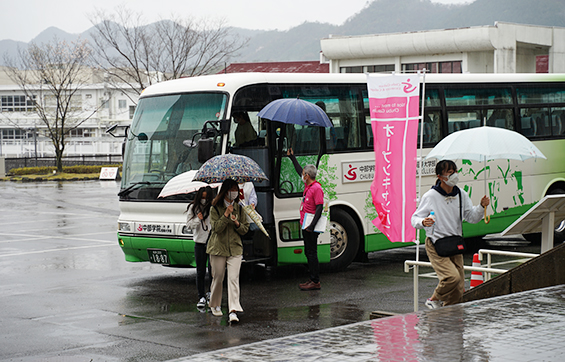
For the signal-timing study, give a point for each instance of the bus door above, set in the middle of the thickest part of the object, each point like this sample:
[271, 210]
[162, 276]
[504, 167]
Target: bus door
[306, 143]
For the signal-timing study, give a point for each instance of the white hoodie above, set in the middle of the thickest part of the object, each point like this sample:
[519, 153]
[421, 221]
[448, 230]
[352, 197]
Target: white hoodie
[446, 210]
[194, 223]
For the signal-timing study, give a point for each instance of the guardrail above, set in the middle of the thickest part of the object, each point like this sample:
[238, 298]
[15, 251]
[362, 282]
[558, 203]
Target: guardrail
[488, 270]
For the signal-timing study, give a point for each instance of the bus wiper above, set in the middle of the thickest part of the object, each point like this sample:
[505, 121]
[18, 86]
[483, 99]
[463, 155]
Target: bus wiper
[132, 187]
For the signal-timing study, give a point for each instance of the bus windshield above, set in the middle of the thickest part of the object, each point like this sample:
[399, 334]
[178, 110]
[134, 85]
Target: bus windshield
[160, 142]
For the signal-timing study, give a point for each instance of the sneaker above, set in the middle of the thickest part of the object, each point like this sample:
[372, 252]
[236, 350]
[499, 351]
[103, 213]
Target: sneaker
[217, 311]
[201, 303]
[208, 294]
[310, 285]
[233, 317]
[433, 304]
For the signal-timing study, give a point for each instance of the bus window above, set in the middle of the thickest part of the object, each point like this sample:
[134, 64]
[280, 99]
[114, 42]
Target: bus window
[558, 121]
[477, 96]
[529, 95]
[535, 122]
[460, 120]
[501, 118]
[305, 143]
[432, 122]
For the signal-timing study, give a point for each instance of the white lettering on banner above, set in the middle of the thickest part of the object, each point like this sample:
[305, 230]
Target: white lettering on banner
[363, 171]
[143, 228]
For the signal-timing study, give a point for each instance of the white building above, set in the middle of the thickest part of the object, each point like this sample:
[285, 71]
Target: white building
[18, 122]
[502, 48]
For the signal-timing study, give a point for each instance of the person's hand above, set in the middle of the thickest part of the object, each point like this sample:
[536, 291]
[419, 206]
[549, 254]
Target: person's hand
[485, 201]
[200, 216]
[289, 152]
[427, 222]
[229, 211]
[253, 206]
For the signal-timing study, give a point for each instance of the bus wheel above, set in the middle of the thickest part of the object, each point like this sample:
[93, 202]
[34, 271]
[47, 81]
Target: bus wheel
[344, 239]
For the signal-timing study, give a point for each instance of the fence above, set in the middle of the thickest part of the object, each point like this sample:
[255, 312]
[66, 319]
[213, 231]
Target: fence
[415, 267]
[92, 160]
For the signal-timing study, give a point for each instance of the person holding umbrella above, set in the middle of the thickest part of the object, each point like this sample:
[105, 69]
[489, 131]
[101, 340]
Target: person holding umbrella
[449, 205]
[313, 203]
[198, 220]
[229, 224]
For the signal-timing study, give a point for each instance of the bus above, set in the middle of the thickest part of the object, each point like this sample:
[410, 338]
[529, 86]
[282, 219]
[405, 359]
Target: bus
[180, 123]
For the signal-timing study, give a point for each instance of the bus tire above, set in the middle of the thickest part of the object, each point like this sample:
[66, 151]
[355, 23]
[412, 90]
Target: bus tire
[344, 239]
[559, 233]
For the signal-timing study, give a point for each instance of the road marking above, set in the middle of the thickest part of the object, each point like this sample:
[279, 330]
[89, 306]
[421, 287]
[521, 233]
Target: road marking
[52, 250]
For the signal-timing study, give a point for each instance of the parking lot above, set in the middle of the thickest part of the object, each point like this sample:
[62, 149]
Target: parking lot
[68, 294]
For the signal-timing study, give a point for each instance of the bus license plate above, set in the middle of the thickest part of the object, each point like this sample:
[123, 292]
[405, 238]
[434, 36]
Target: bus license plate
[158, 256]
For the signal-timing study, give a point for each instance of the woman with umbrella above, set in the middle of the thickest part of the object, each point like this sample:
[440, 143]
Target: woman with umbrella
[229, 224]
[450, 205]
[198, 220]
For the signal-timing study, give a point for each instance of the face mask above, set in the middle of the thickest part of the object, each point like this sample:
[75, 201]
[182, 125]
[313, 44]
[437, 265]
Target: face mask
[452, 179]
[232, 195]
[203, 201]
[304, 178]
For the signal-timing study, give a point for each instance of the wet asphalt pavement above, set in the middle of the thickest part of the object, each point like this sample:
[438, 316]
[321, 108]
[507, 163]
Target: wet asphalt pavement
[66, 292]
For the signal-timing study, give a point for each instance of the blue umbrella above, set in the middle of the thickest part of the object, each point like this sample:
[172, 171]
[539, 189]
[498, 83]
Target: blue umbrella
[295, 111]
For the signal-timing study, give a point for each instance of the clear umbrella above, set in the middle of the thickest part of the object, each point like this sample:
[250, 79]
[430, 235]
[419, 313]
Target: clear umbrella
[483, 144]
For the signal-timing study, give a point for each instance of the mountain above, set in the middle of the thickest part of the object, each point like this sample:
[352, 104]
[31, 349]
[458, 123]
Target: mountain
[379, 16]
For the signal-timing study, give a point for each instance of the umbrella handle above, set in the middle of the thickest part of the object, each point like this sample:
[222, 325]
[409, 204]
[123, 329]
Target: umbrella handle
[487, 217]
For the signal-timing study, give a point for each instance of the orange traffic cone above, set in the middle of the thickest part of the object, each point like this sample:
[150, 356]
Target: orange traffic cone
[476, 276]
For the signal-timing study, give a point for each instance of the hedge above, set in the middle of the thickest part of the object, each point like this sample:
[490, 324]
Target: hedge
[79, 169]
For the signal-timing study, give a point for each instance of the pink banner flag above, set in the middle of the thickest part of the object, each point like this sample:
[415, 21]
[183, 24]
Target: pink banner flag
[394, 108]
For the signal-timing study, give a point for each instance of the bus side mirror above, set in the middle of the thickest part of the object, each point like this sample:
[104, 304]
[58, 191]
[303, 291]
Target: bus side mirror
[205, 149]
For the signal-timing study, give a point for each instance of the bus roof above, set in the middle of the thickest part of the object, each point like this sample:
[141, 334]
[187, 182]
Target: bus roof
[232, 81]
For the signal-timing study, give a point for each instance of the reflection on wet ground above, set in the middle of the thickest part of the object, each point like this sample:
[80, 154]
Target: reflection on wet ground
[528, 326]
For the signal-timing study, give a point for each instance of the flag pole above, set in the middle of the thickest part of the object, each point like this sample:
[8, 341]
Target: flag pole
[416, 268]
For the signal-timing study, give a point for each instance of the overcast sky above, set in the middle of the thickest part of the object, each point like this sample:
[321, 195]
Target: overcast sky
[23, 20]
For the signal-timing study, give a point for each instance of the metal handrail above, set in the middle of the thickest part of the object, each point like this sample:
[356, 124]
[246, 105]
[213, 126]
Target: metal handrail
[487, 270]
[489, 254]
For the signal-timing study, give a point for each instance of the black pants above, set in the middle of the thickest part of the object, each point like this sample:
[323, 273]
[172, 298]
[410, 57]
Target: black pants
[201, 258]
[311, 251]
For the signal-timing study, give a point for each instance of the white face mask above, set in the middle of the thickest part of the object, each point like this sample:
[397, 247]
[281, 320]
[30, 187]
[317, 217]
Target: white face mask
[304, 178]
[232, 195]
[203, 201]
[452, 179]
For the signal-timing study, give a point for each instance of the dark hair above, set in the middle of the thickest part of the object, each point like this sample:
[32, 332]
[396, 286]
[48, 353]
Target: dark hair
[227, 185]
[197, 206]
[445, 165]
[243, 115]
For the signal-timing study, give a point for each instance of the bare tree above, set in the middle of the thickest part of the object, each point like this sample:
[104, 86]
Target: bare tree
[138, 54]
[51, 76]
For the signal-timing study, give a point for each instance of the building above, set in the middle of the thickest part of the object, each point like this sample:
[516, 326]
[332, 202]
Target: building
[278, 67]
[502, 48]
[23, 134]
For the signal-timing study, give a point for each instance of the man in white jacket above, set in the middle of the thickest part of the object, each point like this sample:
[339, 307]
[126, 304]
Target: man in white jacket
[443, 200]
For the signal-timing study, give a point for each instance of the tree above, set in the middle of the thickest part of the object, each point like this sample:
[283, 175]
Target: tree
[51, 76]
[138, 54]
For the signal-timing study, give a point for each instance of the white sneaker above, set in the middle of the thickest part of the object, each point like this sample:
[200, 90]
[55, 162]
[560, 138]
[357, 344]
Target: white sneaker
[233, 317]
[201, 303]
[217, 311]
[433, 304]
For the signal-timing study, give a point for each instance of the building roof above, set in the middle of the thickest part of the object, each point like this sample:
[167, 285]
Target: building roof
[278, 67]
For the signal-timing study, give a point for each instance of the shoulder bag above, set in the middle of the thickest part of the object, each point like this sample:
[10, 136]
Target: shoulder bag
[454, 244]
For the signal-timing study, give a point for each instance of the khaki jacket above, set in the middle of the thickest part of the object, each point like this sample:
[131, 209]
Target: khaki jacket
[225, 238]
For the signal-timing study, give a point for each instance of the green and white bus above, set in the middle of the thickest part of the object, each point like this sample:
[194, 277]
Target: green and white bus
[175, 119]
